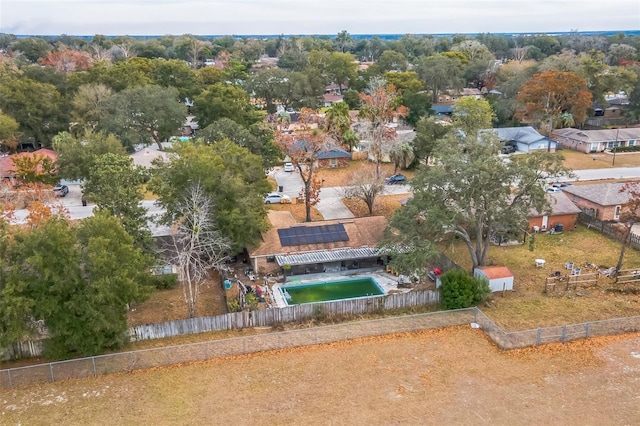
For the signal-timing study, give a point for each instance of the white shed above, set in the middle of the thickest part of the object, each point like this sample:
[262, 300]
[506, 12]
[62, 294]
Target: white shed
[500, 277]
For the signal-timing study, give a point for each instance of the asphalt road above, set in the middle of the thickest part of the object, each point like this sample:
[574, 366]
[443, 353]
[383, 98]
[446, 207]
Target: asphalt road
[330, 205]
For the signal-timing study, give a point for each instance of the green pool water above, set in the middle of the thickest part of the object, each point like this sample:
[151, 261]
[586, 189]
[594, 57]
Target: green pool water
[331, 290]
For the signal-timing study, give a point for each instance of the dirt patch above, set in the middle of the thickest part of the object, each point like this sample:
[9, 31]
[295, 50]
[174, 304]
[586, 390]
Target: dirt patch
[447, 376]
[298, 211]
[385, 205]
[169, 305]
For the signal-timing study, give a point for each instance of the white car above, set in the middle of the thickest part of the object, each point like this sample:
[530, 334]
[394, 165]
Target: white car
[553, 189]
[276, 198]
[288, 167]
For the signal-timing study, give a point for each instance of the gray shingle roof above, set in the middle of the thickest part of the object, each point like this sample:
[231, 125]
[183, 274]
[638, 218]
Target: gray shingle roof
[526, 135]
[333, 153]
[560, 204]
[604, 194]
[606, 135]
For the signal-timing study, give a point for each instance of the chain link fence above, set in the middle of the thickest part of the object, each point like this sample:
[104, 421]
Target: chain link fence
[158, 357]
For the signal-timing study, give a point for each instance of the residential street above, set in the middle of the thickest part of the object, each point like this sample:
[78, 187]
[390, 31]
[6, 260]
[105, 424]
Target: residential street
[330, 205]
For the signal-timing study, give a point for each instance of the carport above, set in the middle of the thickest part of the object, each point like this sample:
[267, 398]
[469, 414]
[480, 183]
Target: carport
[322, 261]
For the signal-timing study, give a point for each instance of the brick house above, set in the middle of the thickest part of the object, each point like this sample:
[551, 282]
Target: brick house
[562, 211]
[295, 246]
[596, 140]
[7, 166]
[332, 158]
[603, 201]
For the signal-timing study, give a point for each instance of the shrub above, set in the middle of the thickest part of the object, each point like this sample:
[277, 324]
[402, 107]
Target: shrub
[165, 281]
[461, 290]
[635, 148]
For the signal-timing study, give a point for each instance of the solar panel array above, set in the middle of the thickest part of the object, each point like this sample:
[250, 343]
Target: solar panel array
[302, 235]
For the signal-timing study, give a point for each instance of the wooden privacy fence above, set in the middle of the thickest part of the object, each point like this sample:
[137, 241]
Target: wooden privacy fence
[608, 229]
[295, 313]
[262, 318]
[158, 357]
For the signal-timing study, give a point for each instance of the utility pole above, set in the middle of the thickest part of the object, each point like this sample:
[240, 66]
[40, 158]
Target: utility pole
[550, 123]
[615, 146]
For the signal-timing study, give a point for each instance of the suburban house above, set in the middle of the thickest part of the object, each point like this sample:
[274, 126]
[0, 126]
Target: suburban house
[317, 247]
[562, 211]
[604, 201]
[526, 139]
[596, 140]
[329, 99]
[7, 166]
[446, 100]
[145, 156]
[189, 126]
[451, 96]
[332, 158]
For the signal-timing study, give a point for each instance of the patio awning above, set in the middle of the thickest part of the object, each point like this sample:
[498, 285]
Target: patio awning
[326, 256]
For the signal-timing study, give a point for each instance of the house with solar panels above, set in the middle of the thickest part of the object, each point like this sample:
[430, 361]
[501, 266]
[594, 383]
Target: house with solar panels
[330, 246]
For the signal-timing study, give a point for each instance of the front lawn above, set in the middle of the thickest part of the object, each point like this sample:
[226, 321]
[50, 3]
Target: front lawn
[342, 175]
[600, 160]
[528, 306]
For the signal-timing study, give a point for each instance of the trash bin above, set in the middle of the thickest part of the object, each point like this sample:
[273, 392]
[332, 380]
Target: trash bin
[280, 188]
[559, 228]
[84, 202]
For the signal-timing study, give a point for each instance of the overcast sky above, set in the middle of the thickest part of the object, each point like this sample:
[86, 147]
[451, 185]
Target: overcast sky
[209, 17]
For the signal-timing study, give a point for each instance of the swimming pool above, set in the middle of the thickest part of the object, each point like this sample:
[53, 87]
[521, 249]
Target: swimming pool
[326, 291]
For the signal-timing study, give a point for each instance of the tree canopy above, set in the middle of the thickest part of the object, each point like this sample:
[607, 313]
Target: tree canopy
[229, 174]
[79, 280]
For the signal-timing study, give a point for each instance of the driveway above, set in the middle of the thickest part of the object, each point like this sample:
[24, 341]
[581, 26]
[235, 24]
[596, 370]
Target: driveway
[330, 205]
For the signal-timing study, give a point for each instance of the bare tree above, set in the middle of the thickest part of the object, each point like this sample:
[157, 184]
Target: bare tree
[365, 185]
[629, 215]
[198, 245]
[303, 148]
[381, 104]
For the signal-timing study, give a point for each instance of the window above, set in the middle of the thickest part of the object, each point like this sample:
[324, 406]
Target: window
[333, 163]
[632, 142]
[616, 213]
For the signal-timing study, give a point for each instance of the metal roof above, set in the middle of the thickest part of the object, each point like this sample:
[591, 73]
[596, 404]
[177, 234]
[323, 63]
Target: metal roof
[327, 256]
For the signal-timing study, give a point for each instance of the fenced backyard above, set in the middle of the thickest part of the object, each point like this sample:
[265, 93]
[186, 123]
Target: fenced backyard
[158, 357]
[608, 229]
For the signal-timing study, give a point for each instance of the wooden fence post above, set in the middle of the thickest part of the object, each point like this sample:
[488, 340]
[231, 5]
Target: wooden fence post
[538, 336]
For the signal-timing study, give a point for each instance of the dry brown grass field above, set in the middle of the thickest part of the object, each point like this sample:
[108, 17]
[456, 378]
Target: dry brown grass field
[528, 306]
[580, 161]
[446, 376]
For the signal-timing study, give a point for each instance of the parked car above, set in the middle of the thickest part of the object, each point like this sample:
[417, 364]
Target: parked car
[288, 167]
[508, 149]
[60, 190]
[396, 179]
[275, 198]
[553, 189]
[561, 185]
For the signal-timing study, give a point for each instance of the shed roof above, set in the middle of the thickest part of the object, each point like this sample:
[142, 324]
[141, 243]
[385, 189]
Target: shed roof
[604, 194]
[495, 272]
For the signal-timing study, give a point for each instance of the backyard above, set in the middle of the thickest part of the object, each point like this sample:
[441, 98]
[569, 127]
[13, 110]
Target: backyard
[446, 376]
[528, 306]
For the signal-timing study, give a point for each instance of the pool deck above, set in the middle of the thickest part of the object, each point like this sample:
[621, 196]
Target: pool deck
[385, 280]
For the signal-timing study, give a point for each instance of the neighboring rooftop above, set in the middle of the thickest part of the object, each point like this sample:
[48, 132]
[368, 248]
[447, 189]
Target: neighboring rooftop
[605, 135]
[604, 194]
